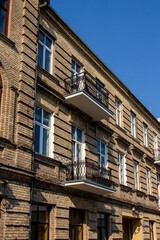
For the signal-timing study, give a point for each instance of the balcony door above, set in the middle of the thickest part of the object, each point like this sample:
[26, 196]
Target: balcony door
[76, 219]
[78, 158]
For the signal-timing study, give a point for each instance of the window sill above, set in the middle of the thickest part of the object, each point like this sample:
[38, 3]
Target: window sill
[7, 40]
[152, 198]
[135, 139]
[42, 72]
[140, 193]
[47, 160]
[120, 128]
[125, 188]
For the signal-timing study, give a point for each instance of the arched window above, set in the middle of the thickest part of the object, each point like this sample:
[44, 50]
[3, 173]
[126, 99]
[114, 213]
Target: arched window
[0, 92]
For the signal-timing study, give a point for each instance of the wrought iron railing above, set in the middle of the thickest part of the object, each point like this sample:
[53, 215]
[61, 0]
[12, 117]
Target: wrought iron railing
[89, 170]
[85, 82]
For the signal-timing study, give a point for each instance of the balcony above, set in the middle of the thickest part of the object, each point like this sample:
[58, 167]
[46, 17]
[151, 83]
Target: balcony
[88, 176]
[157, 156]
[85, 93]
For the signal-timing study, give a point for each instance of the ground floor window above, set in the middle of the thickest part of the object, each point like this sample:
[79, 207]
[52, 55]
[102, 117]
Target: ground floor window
[76, 220]
[40, 222]
[151, 229]
[102, 226]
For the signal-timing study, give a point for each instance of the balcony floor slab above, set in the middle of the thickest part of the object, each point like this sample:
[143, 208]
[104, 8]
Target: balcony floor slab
[89, 105]
[88, 186]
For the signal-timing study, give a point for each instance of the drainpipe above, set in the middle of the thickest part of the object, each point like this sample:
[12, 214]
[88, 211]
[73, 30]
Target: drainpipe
[44, 4]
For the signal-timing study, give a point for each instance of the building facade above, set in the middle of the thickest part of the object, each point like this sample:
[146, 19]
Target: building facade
[79, 154]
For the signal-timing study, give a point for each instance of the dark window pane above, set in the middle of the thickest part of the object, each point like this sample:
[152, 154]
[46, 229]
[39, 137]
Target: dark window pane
[2, 20]
[37, 139]
[46, 118]
[43, 214]
[33, 231]
[42, 232]
[77, 68]
[48, 42]
[79, 135]
[98, 146]
[73, 132]
[73, 64]
[102, 148]
[40, 55]
[45, 150]
[47, 61]
[38, 114]
[41, 37]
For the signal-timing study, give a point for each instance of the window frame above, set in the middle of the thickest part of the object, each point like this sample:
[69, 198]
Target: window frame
[133, 124]
[145, 134]
[46, 48]
[100, 226]
[122, 165]
[49, 128]
[6, 18]
[158, 189]
[118, 108]
[136, 174]
[38, 222]
[148, 180]
[1, 91]
[155, 145]
[76, 143]
[101, 155]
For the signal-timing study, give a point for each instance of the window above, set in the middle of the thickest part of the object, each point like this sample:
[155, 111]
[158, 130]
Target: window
[158, 188]
[76, 220]
[45, 52]
[155, 145]
[4, 9]
[145, 134]
[40, 222]
[121, 168]
[136, 175]
[102, 154]
[133, 124]
[99, 90]
[0, 93]
[118, 112]
[77, 145]
[148, 178]
[75, 70]
[42, 132]
[102, 226]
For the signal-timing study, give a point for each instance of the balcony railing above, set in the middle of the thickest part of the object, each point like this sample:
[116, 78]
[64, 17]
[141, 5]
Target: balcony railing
[89, 170]
[85, 82]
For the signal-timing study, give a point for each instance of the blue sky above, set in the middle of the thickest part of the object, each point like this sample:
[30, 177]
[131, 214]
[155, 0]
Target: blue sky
[125, 35]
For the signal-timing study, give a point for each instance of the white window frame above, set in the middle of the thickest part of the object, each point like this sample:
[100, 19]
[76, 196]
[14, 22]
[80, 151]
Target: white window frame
[133, 124]
[103, 155]
[155, 145]
[158, 189]
[48, 49]
[76, 142]
[118, 113]
[148, 179]
[77, 77]
[122, 165]
[50, 129]
[136, 174]
[145, 127]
